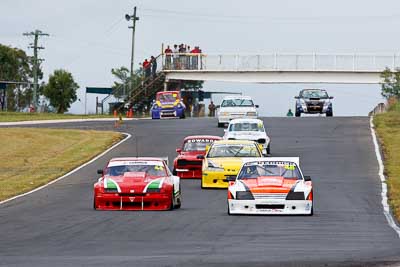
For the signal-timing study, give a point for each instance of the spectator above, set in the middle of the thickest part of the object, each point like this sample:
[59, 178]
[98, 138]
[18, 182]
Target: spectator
[168, 57]
[290, 113]
[195, 59]
[153, 67]
[211, 109]
[176, 56]
[146, 68]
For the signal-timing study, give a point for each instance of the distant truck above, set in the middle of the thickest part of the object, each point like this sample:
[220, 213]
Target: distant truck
[168, 104]
[312, 101]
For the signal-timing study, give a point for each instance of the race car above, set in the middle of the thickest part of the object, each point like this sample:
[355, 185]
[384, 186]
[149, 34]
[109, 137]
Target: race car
[313, 101]
[223, 160]
[186, 164]
[233, 107]
[249, 129]
[271, 186]
[137, 184]
[168, 104]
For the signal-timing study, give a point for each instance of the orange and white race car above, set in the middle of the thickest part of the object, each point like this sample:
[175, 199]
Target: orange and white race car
[272, 185]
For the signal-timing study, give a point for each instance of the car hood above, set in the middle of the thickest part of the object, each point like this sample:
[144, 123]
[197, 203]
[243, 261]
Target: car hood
[270, 184]
[132, 182]
[229, 164]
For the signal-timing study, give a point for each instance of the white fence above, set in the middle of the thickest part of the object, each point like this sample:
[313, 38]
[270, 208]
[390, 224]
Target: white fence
[280, 62]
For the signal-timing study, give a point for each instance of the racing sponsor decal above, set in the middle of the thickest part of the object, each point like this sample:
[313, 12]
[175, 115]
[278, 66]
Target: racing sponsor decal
[135, 162]
[200, 140]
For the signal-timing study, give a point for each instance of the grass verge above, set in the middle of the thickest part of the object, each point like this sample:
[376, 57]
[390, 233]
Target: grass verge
[388, 129]
[31, 157]
[23, 116]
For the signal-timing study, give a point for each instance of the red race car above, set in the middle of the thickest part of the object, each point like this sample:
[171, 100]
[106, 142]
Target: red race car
[137, 184]
[187, 164]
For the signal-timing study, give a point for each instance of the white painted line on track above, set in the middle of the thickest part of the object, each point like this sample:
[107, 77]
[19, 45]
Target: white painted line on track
[71, 172]
[386, 207]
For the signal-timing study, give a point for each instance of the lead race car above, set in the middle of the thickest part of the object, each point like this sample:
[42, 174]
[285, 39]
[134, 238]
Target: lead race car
[137, 184]
[187, 164]
[168, 104]
[270, 186]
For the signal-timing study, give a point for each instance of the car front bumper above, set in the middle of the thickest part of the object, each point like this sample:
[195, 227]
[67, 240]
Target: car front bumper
[228, 118]
[148, 201]
[277, 207]
[211, 179]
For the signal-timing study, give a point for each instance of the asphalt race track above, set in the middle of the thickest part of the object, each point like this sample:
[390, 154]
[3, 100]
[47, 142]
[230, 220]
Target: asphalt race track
[57, 226]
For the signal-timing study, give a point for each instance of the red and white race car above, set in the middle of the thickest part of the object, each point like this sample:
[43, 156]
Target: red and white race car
[187, 164]
[137, 184]
[271, 186]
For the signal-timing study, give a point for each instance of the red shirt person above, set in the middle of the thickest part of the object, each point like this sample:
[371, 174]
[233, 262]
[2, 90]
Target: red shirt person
[146, 68]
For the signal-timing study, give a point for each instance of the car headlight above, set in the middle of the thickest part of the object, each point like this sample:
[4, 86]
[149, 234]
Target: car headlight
[212, 166]
[251, 113]
[244, 195]
[327, 103]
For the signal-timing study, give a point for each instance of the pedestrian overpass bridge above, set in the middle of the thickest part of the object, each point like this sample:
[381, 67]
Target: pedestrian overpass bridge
[279, 67]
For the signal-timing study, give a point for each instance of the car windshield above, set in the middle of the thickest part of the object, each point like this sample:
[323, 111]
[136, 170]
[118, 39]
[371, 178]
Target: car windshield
[245, 126]
[287, 170]
[314, 94]
[196, 144]
[167, 97]
[156, 170]
[225, 150]
[238, 102]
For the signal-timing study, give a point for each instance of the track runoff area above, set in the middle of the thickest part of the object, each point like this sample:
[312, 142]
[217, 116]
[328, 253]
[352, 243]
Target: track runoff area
[57, 226]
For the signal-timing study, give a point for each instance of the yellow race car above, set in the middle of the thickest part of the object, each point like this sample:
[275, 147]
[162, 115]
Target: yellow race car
[224, 159]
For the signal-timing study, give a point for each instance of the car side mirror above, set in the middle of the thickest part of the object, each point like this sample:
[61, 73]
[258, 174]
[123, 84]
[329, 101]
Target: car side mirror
[200, 157]
[331, 97]
[100, 172]
[257, 106]
[307, 178]
[296, 97]
[178, 150]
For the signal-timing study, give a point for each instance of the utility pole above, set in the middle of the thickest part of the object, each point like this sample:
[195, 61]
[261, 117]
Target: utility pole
[36, 61]
[134, 18]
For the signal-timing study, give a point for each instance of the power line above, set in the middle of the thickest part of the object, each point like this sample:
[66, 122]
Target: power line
[36, 61]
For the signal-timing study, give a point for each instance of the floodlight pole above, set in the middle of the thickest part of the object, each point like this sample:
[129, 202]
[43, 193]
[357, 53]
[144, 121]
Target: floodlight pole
[134, 18]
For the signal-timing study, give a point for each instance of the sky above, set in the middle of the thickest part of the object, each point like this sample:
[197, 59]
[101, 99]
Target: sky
[90, 37]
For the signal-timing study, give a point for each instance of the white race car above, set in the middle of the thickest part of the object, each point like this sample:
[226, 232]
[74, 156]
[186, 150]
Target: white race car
[233, 107]
[249, 129]
[270, 186]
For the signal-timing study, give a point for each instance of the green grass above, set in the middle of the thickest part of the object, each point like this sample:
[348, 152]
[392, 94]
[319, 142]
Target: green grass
[388, 129]
[22, 116]
[32, 157]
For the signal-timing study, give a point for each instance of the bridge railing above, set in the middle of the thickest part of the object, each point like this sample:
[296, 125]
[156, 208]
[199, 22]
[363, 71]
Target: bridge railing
[280, 62]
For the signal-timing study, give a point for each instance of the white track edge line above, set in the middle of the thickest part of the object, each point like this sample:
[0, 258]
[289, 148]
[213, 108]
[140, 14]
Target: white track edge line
[71, 172]
[386, 208]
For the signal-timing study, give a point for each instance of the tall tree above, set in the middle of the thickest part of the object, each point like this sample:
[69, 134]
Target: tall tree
[391, 83]
[61, 90]
[16, 66]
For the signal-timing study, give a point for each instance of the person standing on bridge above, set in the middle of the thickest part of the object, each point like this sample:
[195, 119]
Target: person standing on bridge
[146, 68]
[176, 56]
[153, 62]
[168, 57]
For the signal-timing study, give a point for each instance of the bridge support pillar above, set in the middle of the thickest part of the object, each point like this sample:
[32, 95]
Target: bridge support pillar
[166, 85]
